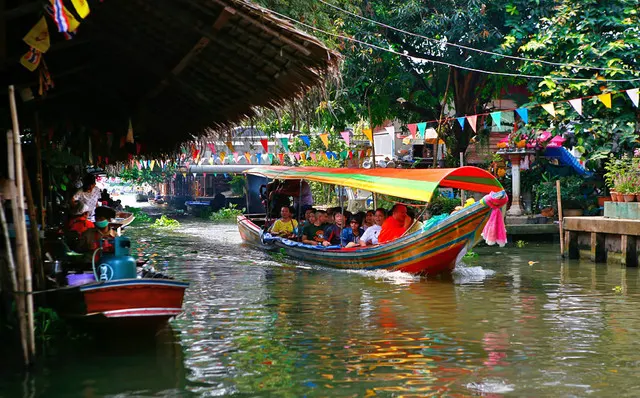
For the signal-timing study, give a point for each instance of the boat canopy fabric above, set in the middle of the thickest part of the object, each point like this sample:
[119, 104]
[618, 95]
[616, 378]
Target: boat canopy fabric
[415, 184]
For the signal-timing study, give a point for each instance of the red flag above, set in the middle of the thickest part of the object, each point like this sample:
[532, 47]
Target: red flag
[265, 145]
[281, 157]
[412, 129]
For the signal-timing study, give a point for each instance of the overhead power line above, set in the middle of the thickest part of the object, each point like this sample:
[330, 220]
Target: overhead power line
[472, 48]
[447, 63]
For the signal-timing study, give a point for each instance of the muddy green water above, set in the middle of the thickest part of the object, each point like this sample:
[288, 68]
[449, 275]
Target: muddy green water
[255, 325]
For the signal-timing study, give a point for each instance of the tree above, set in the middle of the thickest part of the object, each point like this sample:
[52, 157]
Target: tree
[588, 33]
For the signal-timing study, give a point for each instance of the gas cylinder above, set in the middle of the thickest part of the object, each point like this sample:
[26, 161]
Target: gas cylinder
[119, 264]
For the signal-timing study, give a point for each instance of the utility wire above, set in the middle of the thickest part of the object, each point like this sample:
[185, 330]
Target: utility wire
[447, 63]
[471, 48]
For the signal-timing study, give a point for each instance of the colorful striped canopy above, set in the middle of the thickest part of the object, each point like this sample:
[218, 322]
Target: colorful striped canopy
[416, 184]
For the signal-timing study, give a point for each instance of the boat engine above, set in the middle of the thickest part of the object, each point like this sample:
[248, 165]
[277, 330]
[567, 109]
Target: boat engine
[116, 265]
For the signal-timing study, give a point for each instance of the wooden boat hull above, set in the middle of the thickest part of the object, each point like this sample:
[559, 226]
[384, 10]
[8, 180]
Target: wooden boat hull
[145, 301]
[429, 252]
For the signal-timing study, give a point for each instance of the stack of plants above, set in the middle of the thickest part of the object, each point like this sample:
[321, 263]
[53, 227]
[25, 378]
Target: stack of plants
[623, 178]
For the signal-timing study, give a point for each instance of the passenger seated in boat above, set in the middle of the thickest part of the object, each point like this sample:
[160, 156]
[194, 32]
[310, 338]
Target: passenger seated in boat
[396, 225]
[370, 236]
[77, 225]
[313, 234]
[91, 238]
[309, 218]
[333, 232]
[414, 225]
[369, 220]
[285, 226]
[352, 234]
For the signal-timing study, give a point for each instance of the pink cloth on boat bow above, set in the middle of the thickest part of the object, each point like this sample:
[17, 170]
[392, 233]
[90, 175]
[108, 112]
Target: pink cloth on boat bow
[494, 231]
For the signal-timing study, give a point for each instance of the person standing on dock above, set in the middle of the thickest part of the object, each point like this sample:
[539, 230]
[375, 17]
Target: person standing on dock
[88, 195]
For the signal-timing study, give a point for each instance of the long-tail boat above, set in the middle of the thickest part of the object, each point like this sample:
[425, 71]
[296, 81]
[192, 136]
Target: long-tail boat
[432, 250]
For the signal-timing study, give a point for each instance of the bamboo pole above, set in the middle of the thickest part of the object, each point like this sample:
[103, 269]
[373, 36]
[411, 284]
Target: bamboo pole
[560, 229]
[35, 234]
[7, 242]
[21, 228]
[18, 297]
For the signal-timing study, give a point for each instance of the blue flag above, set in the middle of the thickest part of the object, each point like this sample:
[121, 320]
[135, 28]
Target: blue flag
[461, 121]
[524, 114]
[305, 139]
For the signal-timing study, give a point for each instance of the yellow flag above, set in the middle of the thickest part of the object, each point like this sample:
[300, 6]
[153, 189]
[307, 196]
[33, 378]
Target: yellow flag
[549, 108]
[222, 156]
[368, 133]
[325, 139]
[303, 155]
[130, 133]
[211, 160]
[82, 7]
[605, 99]
[31, 59]
[248, 156]
[71, 21]
[230, 146]
[153, 163]
[38, 36]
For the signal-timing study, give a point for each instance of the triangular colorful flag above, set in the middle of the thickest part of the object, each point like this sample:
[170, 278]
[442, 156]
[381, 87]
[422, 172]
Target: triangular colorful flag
[248, 156]
[634, 96]
[303, 156]
[461, 121]
[63, 18]
[549, 108]
[153, 163]
[343, 155]
[38, 36]
[297, 155]
[524, 114]
[82, 7]
[235, 157]
[211, 160]
[270, 158]
[285, 143]
[496, 118]
[605, 99]
[31, 60]
[473, 120]
[368, 133]
[281, 157]
[305, 139]
[229, 145]
[313, 156]
[412, 129]
[346, 136]
[212, 148]
[265, 144]
[325, 139]
[259, 158]
[577, 105]
[292, 158]
[222, 156]
[422, 126]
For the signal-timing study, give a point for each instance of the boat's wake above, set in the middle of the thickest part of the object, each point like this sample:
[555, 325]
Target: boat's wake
[395, 277]
[491, 387]
[463, 274]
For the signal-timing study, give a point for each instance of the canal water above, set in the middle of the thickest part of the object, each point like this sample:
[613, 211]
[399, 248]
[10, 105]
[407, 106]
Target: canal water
[513, 321]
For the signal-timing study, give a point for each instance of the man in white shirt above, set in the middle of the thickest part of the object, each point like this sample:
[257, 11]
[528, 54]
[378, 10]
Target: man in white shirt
[370, 236]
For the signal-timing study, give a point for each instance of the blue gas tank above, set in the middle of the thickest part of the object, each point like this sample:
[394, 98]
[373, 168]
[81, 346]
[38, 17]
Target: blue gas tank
[119, 264]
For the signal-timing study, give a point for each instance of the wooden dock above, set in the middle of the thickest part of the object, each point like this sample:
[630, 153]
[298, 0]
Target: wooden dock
[603, 237]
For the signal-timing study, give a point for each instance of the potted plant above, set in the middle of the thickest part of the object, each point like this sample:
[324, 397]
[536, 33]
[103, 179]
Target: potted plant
[615, 171]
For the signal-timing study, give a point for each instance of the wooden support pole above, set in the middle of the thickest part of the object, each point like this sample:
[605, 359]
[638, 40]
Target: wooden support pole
[560, 227]
[598, 253]
[19, 297]
[628, 248]
[571, 243]
[38, 264]
[20, 223]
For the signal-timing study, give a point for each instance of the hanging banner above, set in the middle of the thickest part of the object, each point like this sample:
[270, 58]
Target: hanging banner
[153, 163]
[422, 127]
[634, 96]
[461, 121]
[82, 7]
[577, 105]
[285, 143]
[222, 156]
[281, 157]
[248, 156]
[325, 139]
[31, 59]
[63, 18]
[549, 108]
[368, 133]
[346, 136]
[212, 148]
[313, 156]
[496, 118]
[303, 156]
[265, 144]
[305, 139]
[235, 157]
[412, 129]
[271, 158]
[605, 99]
[38, 36]
[524, 114]
[297, 155]
[229, 145]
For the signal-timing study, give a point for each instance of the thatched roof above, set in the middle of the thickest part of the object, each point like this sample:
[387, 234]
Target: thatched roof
[175, 67]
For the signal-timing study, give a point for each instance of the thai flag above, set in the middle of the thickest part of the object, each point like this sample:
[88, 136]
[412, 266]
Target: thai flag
[58, 15]
[33, 56]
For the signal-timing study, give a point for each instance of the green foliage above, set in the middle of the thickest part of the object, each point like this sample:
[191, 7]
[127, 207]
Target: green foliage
[141, 216]
[323, 194]
[238, 183]
[471, 254]
[623, 174]
[165, 223]
[141, 176]
[571, 192]
[521, 244]
[442, 205]
[226, 214]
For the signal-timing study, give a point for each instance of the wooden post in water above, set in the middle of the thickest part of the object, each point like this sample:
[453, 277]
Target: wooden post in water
[20, 223]
[559, 197]
[19, 271]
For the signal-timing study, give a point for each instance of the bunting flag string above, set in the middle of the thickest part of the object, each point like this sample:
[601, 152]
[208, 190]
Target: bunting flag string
[413, 128]
[550, 108]
[473, 121]
[265, 144]
[368, 133]
[346, 136]
[422, 127]
[285, 143]
[461, 122]
[524, 114]
[577, 105]
[634, 96]
[325, 139]
[496, 118]
[306, 140]
[605, 99]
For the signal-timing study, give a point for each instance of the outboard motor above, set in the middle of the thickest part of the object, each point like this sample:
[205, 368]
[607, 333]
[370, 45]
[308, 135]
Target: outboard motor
[117, 265]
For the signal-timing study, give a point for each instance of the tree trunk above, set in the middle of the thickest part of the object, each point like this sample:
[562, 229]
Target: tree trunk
[465, 99]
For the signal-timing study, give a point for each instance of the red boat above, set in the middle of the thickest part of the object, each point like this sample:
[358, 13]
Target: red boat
[137, 302]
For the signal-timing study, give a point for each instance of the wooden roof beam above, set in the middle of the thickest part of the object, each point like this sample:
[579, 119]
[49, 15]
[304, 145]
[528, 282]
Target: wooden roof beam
[204, 41]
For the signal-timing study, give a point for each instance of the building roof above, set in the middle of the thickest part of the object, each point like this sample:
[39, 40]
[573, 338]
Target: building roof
[174, 67]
